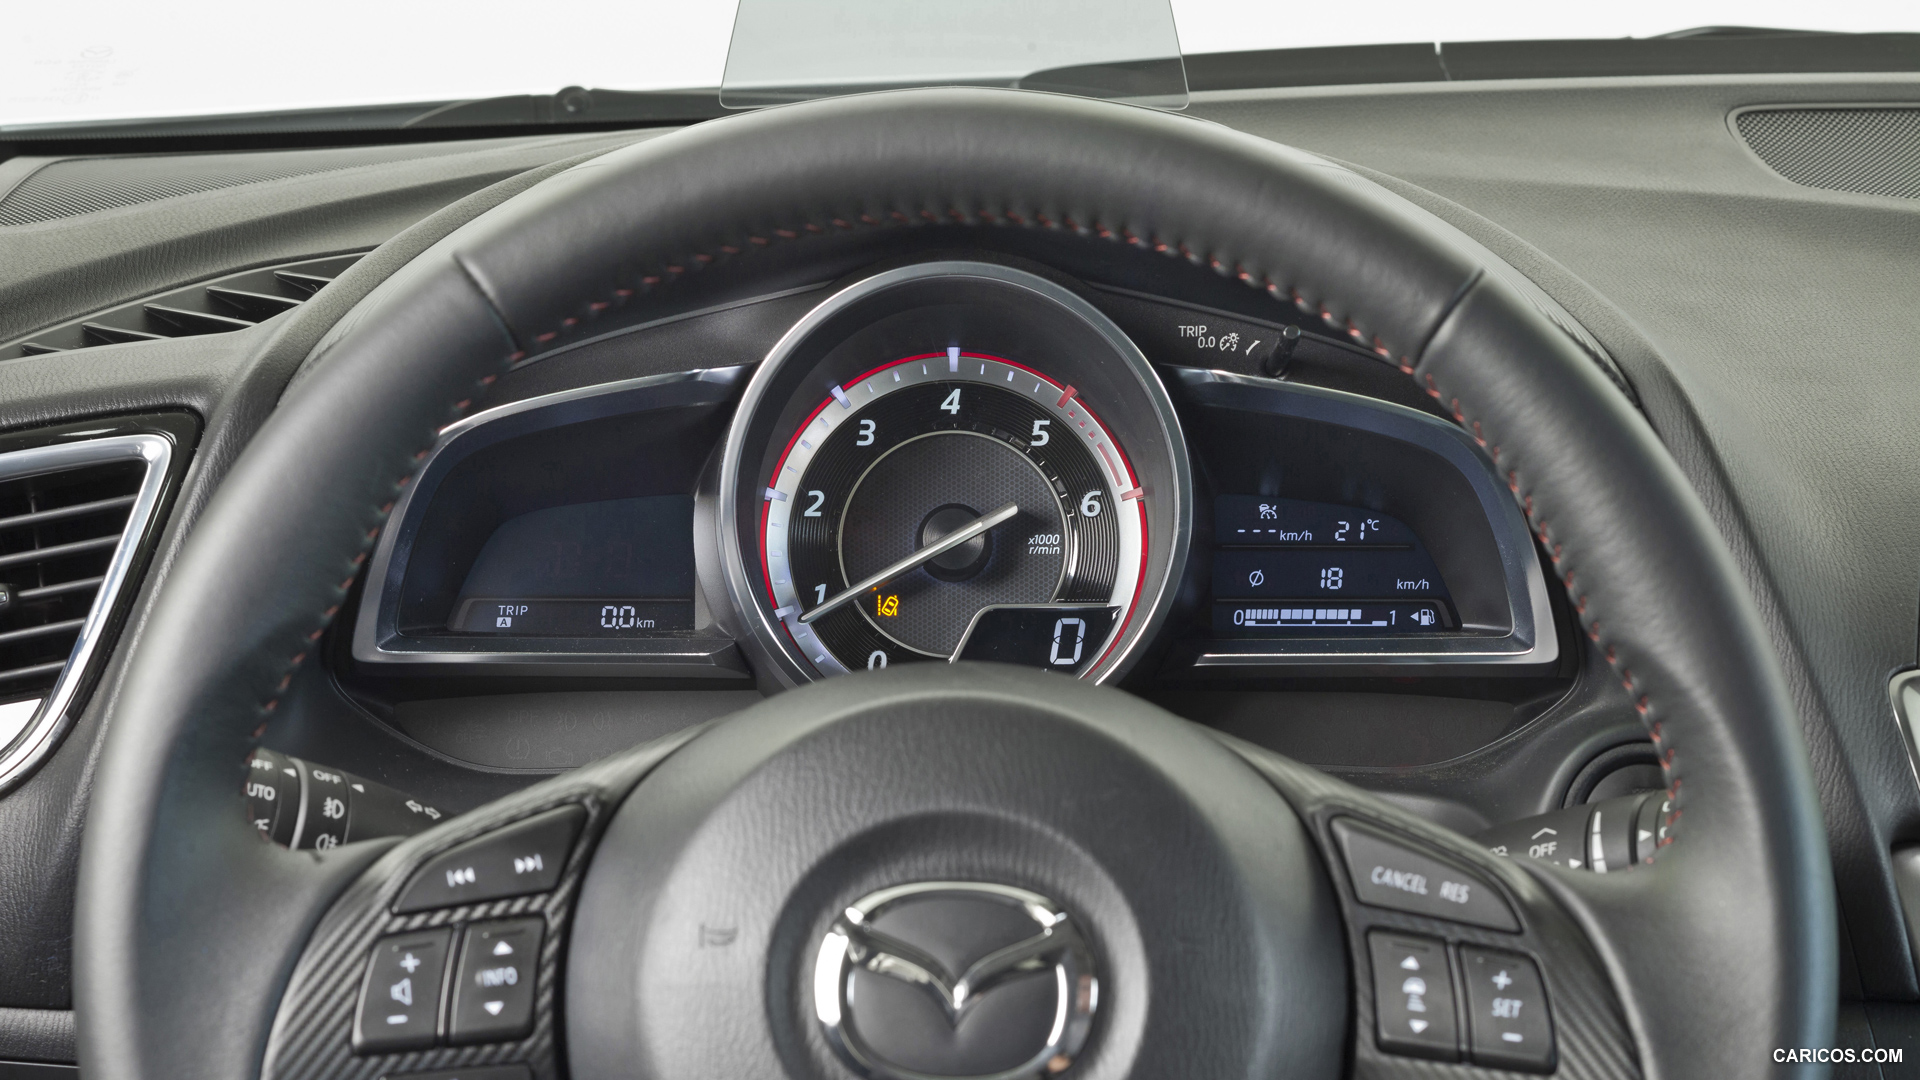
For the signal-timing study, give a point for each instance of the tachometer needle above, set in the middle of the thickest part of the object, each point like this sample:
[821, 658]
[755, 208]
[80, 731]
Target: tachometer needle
[926, 554]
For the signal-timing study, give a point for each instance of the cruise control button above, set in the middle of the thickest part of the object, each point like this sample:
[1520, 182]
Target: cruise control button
[1507, 1022]
[1413, 996]
[523, 858]
[1387, 873]
[400, 998]
[493, 985]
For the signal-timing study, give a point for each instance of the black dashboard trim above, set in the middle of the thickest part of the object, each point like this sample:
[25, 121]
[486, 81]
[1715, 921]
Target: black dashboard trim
[1528, 639]
[378, 638]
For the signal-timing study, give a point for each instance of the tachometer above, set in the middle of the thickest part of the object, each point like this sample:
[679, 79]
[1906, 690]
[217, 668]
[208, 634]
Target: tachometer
[861, 544]
[954, 461]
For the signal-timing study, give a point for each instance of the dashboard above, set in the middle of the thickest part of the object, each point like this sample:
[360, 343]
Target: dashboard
[1314, 556]
[963, 459]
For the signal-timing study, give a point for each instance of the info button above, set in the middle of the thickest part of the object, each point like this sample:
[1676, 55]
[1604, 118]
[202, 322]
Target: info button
[1388, 873]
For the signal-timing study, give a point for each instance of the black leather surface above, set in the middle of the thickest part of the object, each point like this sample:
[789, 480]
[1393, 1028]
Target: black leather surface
[233, 381]
[53, 270]
[1771, 332]
[1743, 889]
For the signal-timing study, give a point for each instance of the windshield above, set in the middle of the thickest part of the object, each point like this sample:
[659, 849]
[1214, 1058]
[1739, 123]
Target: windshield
[108, 60]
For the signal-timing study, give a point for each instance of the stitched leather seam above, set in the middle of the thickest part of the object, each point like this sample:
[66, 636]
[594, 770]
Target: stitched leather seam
[955, 215]
[365, 547]
[1642, 702]
[896, 218]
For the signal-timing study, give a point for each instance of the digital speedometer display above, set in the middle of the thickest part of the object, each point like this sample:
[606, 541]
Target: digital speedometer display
[912, 453]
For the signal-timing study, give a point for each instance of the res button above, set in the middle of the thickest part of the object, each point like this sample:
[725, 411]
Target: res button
[1388, 873]
[525, 857]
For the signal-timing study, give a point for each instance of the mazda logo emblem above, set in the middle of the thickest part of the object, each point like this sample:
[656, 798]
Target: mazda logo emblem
[955, 980]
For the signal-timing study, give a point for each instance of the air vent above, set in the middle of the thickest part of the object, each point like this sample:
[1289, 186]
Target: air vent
[234, 302]
[1868, 149]
[67, 513]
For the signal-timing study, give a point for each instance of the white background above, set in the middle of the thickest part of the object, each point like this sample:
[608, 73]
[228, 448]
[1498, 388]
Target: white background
[102, 59]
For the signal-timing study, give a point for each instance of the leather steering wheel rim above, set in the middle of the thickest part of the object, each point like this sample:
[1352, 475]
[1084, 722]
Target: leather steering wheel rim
[188, 926]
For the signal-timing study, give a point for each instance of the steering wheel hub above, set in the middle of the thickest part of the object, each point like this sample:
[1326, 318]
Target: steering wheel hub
[915, 875]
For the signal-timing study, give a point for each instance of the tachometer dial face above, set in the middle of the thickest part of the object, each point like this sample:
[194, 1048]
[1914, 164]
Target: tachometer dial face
[860, 513]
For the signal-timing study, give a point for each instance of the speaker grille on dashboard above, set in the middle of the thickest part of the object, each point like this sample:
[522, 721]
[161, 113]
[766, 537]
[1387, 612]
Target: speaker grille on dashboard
[1871, 150]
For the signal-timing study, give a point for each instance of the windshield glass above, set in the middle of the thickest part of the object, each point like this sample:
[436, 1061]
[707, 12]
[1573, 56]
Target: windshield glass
[125, 59]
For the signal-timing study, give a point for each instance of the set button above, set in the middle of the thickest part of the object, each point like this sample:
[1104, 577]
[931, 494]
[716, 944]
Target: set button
[1507, 1010]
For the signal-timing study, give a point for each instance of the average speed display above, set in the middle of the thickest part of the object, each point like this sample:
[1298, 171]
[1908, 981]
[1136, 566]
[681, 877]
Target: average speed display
[953, 505]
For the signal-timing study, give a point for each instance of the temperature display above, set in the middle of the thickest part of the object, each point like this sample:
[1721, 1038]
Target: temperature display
[1260, 521]
[1286, 566]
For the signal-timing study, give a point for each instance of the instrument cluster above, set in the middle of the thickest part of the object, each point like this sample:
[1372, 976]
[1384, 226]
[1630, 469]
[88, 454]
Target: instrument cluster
[962, 459]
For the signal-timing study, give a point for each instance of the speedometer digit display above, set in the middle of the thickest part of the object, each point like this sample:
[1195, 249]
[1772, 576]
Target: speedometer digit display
[921, 499]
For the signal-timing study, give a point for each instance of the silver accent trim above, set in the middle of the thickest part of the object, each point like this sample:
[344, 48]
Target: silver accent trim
[698, 656]
[1152, 610]
[1903, 692]
[851, 944]
[27, 749]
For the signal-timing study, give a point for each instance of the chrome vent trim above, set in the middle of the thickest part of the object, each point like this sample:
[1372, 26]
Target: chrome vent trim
[220, 306]
[29, 733]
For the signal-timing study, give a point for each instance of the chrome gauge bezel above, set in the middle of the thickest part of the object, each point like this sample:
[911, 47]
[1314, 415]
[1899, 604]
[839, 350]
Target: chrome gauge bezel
[1145, 465]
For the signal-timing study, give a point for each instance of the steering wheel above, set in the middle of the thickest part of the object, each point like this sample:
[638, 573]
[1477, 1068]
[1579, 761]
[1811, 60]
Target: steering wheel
[831, 882]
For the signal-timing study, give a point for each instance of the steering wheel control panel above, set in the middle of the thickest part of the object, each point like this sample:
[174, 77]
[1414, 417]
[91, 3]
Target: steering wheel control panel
[1441, 999]
[957, 460]
[471, 982]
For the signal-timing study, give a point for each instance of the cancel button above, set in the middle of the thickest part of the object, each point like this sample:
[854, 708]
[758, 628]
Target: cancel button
[1387, 873]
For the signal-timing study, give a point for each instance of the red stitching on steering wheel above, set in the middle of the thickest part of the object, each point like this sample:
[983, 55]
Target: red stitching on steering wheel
[1542, 531]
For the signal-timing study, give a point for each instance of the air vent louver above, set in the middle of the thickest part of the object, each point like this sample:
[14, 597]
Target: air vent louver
[220, 306]
[57, 534]
[67, 513]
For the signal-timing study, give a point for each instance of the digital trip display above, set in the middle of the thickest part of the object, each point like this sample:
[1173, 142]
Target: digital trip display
[573, 617]
[618, 568]
[1284, 566]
